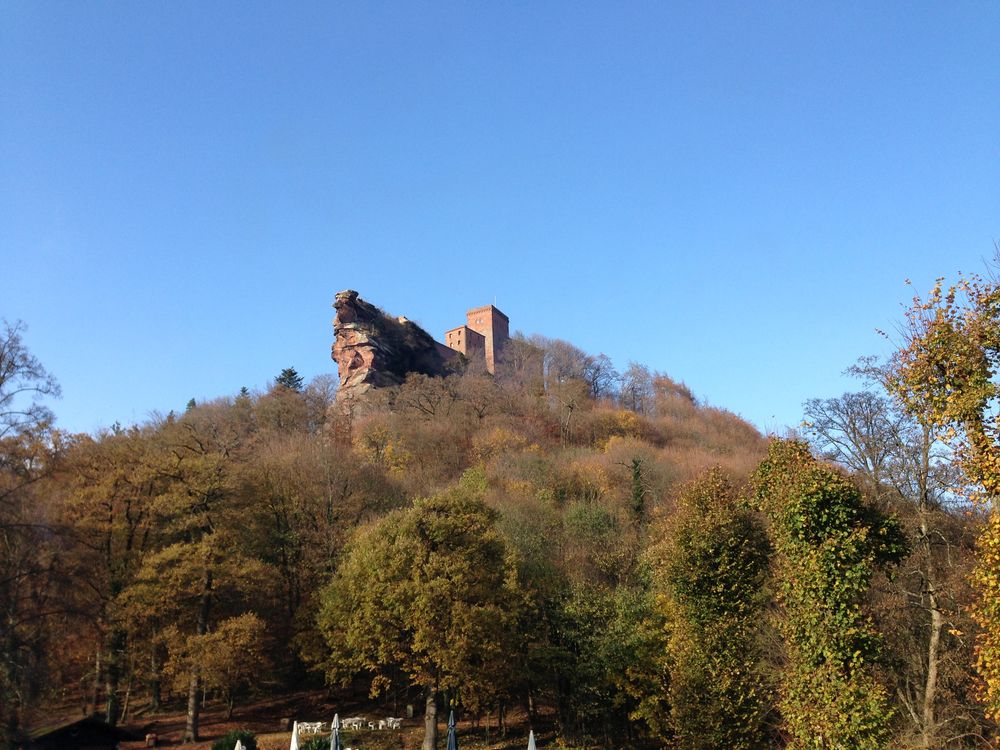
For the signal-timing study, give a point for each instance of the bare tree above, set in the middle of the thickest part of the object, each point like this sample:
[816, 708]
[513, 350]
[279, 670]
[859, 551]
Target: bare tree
[601, 376]
[636, 390]
[23, 384]
[861, 431]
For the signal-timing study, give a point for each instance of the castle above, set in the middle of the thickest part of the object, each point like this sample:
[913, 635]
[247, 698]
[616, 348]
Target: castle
[482, 337]
[373, 349]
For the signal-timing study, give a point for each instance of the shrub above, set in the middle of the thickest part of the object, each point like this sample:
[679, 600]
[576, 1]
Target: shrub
[319, 742]
[228, 740]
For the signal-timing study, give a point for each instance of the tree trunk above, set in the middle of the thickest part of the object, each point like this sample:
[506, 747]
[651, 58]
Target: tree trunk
[430, 718]
[930, 685]
[9, 713]
[937, 616]
[98, 672]
[191, 727]
[154, 682]
[112, 675]
[11, 723]
[125, 703]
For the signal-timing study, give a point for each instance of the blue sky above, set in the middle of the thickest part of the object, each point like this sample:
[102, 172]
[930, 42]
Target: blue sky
[732, 193]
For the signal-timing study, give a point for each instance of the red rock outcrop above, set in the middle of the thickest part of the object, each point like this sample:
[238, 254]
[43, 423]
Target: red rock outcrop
[375, 350]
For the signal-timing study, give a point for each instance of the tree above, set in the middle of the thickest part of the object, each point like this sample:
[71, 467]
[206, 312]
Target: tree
[601, 376]
[201, 573]
[636, 389]
[570, 398]
[303, 495]
[859, 430]
[901, 463]
[480, 394]
[112, 482]
[24, 384]
[563, 360]
[31, 574]
[426, 395]
[319, 396]
[945, 375]
[289, 379]
[230, 658]
[712, 566]
[523, 364]
[594, 651]
[426, 592]
[28, 569]
[282, 409]
[642, 632]
[827, 546]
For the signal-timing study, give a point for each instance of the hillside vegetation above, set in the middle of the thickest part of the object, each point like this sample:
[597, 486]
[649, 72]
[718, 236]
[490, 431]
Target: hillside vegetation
[597, 549]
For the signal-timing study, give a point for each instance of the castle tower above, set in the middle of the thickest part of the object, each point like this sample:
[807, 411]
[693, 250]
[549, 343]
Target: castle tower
[494, 327]
[485, 331]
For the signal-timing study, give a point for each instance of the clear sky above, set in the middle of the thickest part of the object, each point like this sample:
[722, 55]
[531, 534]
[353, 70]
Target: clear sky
[732, 193]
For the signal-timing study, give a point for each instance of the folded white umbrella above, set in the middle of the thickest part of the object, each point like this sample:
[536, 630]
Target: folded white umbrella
[295, 736]
[335, 733]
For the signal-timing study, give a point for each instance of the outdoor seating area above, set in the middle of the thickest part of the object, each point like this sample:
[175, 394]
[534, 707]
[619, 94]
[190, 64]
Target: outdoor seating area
[352, 722]
[356, 723]
[360, 723]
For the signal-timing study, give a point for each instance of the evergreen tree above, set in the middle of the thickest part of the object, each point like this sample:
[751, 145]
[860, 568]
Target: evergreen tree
[290, 379]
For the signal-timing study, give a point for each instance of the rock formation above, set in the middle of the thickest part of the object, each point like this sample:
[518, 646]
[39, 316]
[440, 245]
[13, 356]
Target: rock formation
[374, 350]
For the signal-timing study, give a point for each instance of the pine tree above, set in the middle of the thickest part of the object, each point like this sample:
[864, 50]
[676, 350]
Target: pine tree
[290, 379]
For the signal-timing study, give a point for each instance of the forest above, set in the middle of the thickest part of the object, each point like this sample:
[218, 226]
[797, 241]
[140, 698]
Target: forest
[598, 549]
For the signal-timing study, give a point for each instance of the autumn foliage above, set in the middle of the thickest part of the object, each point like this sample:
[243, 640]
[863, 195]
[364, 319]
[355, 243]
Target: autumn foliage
[578, 543]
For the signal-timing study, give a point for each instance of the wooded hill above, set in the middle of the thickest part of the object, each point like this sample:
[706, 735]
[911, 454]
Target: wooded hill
[651, 570]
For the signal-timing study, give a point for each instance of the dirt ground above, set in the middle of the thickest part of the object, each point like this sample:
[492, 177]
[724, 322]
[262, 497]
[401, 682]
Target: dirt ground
[267, 718]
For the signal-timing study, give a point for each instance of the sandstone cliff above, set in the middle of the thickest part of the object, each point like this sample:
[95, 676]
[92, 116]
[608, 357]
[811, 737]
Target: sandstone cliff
[374, 350]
